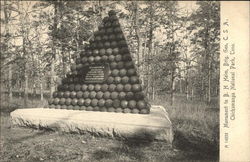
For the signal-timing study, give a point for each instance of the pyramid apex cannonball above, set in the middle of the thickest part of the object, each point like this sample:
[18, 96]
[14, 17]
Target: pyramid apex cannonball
[111, 12]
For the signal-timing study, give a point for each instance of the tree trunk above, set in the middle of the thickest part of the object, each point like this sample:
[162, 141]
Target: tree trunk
[41, 89]
[26, 86]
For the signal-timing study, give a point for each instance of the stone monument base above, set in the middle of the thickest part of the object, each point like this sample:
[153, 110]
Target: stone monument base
[153, 126]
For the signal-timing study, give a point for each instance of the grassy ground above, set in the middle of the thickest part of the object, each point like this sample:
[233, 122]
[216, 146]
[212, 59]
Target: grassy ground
[195, 128]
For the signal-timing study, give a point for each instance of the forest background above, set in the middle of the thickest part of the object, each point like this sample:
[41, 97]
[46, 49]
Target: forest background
[175, 46]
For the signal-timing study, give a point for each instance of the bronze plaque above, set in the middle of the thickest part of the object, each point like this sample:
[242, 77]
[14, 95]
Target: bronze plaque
[97, 73]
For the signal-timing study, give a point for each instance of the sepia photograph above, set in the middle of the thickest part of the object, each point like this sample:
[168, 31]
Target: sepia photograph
[114, 80]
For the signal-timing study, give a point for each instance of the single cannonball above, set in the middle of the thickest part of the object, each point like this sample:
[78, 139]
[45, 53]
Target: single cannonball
[122, 43]
[100, 45]
[131, 72]
[60, 94]
[116, 103]
[127, 110]
[70, 107]
[115, 51]
[63, 107]
[103, 109]
[87, 102]
[122, 95]
[91, 59]
[105, 58]
[111, 109]
[108, 24]
[62, 101]
[112, 37]
[95, 52]
[101, 102]
[66, 94]
[83, 107]
[126, 57]
[102, 51]
[107, 44]
[113, 65]
[102, 31]
[106, 95]
[144, 111]
[113, 44]
[117, 79]
[135, 111]
[84, 60]
[92, 94]
[91, 87]
[116, 23]
[80, 102]
[114, 95]
[73, 94]
[127, 87]
[86, 94]
[108, 103]
[124, 50]
[56, 101]
[74, 101]
[111, 58]
[96, 108]
[97, 87]
[117, 30]
[60, 87]
[84, 87]
[132, 104]
[118, 58]
[104, 87]
[129, 95]
[124, 104]
[134, 79]
[58, 107]
[79, 66]
[112, 87]
[94, 102]
[115, 72]
[97, 59]
[68, 101]
[122, 72]
[55, 94]
[76, 107]
[110, 80]
[89, 108]
[105, 37]
[89, 53]
[78, 87]
[118, 110]
[119, 87]
[125, 80]
[120, 65]
[99, 95]
[139, 95]
[71, 87]
[109, 30]
[119, 36]
[113, 18]
[141, 104]
[136, 88]
[79, 94]
[109, 51]
[98, 38]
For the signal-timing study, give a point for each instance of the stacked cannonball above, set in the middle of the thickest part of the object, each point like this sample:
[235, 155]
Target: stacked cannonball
[120, 92]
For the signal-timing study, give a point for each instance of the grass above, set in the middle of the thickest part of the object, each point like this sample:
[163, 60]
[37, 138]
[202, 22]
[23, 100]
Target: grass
[195, 128]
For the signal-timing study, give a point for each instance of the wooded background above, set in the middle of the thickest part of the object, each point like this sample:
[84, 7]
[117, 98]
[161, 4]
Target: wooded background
[175, 47]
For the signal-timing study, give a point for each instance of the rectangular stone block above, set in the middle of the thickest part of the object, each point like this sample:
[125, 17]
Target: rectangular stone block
[153, 126]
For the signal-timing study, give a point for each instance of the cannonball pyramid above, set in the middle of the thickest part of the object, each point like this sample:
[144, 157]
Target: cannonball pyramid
[104, 78]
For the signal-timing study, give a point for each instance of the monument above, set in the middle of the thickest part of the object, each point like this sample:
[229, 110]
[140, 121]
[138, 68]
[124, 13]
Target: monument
[104, 79]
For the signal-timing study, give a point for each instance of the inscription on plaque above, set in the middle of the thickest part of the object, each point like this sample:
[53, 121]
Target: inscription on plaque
[97, 73]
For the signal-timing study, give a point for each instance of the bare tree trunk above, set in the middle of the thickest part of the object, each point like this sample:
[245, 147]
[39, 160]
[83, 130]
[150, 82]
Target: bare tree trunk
[26, 86]
[41, 89]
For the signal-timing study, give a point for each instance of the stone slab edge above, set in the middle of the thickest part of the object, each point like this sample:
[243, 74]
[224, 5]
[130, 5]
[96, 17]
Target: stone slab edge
[156, 125]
